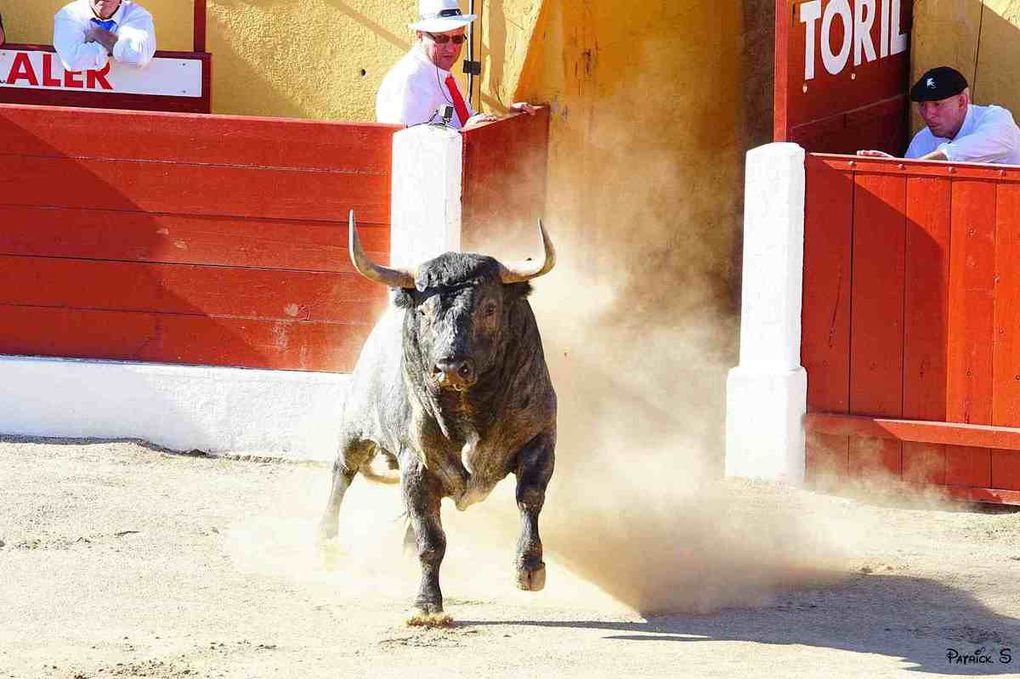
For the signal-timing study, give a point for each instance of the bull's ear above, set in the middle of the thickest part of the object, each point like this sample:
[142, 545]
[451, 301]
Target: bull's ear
[520, 290]
[403, 298]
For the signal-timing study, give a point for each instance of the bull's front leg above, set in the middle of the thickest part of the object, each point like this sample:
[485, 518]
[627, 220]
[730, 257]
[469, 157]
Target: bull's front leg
[422, 496]
[535, 464]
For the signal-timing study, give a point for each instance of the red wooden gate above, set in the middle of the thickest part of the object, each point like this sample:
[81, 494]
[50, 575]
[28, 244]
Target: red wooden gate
[911, 323]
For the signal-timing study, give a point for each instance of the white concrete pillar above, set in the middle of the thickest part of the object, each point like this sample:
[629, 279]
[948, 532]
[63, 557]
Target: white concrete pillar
[766, 395]
[425, 211]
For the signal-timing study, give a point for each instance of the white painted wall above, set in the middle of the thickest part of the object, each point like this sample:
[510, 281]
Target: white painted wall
[766, 395]
[226, 410]
[234, 410]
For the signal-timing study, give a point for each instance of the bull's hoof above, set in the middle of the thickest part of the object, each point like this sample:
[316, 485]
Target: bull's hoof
[531, 580]
[429, 615]
[330, 553]
[328, 529]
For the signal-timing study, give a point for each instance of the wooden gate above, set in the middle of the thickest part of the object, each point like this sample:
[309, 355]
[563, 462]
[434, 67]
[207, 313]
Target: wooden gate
[911, 323]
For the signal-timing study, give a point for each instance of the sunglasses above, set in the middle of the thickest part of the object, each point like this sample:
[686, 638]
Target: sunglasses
[442, 39]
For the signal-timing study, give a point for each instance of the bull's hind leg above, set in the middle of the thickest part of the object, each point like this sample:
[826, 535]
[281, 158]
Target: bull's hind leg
[352, 454]
[422, 495]
[534, 469]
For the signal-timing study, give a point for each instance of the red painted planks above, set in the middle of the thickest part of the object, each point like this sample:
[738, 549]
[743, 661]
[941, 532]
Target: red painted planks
[925, 321]
[184, 239]
[196, 290]
[924, 463]
[1006, 344]
[825, 324]
[925, 304]
[504, 185]
[876, 330]
[192, 189]
[139, 336]
[873, 458]
[970, 330]
[227, 140]
[968, 466]
[971, 289]
[197, 239]
[1005, 469]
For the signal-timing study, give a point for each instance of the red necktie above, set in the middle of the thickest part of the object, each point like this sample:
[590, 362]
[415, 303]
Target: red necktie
[458, 101]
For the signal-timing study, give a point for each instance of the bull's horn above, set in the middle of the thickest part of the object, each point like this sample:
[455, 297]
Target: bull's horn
[525, 271]
[395, 278]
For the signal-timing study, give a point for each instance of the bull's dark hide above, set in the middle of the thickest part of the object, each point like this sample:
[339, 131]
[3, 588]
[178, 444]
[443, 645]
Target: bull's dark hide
[452, 388]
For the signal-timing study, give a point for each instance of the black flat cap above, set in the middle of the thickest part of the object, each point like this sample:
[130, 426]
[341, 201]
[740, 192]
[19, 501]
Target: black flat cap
[940, 82]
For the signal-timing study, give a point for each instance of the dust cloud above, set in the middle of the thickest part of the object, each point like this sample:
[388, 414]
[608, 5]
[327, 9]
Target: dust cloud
[639, 328]
[638, 506]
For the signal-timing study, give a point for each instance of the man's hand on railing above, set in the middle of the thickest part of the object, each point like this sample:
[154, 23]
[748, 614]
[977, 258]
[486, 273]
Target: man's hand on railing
[874, 153]
[523, 107]
[479, 118]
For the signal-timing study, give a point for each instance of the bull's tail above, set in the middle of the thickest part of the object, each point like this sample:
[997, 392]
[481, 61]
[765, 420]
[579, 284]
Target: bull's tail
[382, 468]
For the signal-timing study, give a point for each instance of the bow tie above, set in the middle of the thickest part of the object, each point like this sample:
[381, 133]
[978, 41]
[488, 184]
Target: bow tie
[105, 24]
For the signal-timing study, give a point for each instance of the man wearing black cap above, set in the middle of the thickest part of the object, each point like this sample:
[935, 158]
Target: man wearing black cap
[957, 130]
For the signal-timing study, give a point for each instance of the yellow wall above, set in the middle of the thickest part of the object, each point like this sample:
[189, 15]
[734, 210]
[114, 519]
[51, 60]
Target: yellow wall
[647, 133]
[270, 59]
[980, 39]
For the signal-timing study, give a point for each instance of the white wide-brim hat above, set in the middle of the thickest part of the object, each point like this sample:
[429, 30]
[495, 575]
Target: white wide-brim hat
[440, 16]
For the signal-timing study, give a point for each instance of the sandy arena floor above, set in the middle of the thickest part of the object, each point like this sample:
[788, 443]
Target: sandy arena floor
[118, 560]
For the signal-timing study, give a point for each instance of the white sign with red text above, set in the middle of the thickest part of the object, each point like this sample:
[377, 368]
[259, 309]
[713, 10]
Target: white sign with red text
[851, 24]
[38, 70]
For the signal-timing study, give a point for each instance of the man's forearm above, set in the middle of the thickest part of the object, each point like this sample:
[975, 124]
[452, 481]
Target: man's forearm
[937, 154]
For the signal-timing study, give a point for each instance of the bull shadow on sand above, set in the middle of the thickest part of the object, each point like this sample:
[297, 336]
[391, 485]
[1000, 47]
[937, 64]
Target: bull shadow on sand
[915, 619]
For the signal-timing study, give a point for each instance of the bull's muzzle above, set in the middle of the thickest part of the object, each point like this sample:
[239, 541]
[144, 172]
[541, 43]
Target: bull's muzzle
[456, 374]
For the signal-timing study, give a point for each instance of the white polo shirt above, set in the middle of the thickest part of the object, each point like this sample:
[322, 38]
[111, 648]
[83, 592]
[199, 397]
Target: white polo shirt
[412, 91]
[135, 31]
[988, 135]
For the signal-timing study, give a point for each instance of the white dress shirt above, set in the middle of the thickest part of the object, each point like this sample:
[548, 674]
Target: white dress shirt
[988, 135]
[412, 91]
[136, 37]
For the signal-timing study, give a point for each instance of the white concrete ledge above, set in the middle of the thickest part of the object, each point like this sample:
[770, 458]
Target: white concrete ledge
[278, 413]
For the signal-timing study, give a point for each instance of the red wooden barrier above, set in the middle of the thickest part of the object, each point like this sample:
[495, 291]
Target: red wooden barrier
[912, 312]
[188, 239]
[504, 184]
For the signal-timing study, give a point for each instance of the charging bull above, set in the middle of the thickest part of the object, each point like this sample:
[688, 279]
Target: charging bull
[452, 389]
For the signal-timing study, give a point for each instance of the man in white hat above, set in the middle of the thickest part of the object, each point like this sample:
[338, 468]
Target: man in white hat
[420, 85]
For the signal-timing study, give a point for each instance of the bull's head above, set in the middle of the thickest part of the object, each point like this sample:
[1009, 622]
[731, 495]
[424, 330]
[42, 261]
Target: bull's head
[462, 308]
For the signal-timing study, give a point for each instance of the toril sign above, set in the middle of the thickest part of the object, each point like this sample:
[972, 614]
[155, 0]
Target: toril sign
[856, 19]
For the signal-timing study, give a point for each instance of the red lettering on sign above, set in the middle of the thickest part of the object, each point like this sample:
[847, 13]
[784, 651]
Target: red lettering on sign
[99, 77]
[47, 71]
[22, 69]
[69, 79]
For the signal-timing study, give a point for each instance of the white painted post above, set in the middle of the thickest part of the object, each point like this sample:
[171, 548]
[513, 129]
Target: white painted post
[766, 395]
[425, 213]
